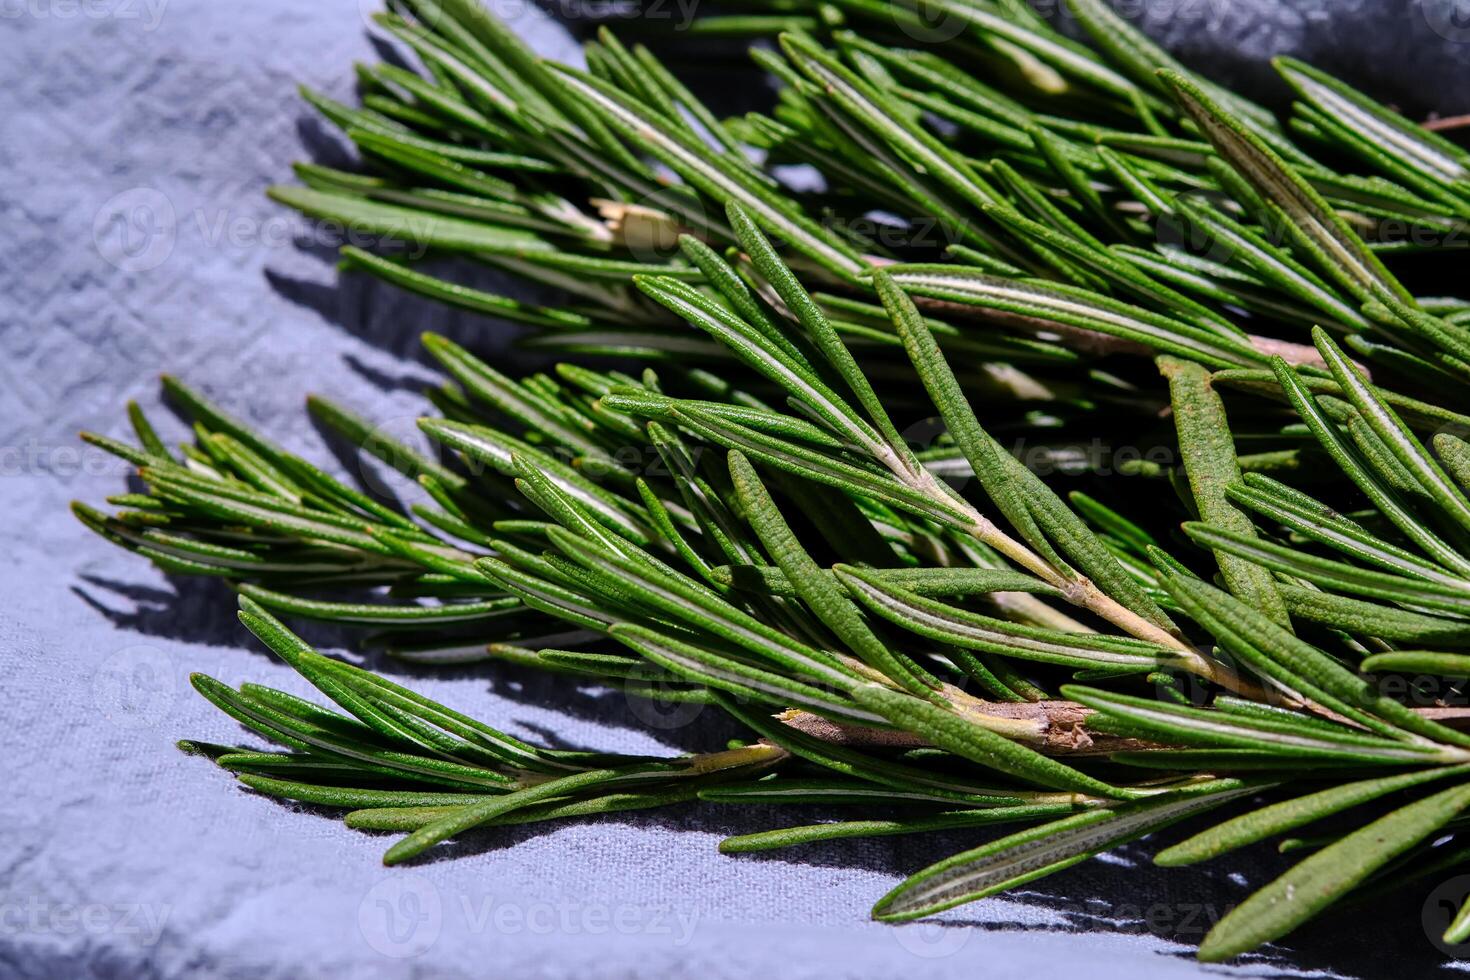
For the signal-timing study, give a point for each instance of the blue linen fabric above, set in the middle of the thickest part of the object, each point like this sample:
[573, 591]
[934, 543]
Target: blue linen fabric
[138, 138]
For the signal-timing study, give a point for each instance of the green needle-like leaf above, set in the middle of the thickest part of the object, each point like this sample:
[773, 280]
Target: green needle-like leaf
[1393, 432]
[1421, 149]
[950, 624]
[1061, 307]
[464, 818]
[409, 224]
[714, 176]
[1317, 228]
[379, 615]
[1325, 876]
[1209, 462]
[1196, 726]
[1290, 814]
[812, 583]
[710, 669]
[1034, 853]
[768, 840]
[1334, 574]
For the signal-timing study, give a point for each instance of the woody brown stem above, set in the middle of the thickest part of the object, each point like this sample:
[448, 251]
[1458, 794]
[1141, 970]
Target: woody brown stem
[1446, 122]
[1051, 727]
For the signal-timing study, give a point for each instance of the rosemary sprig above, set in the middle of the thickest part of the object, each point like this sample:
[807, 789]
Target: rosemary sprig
[748, 520]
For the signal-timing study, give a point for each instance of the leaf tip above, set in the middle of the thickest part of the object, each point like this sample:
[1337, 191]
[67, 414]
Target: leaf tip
[1219, 949]
[1175, 857]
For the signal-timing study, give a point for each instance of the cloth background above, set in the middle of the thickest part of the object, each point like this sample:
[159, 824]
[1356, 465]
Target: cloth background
[138, 137]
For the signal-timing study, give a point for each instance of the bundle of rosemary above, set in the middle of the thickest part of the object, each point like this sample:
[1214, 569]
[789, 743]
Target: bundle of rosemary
[759, 510]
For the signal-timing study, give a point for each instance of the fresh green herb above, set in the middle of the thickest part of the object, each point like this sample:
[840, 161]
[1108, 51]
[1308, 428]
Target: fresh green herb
[825, 471]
